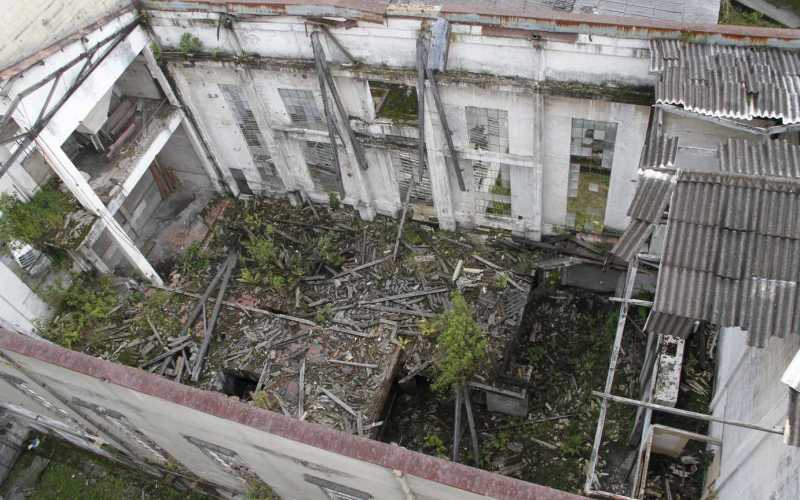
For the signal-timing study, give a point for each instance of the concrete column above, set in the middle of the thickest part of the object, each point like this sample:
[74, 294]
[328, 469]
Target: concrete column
[437, 167]
[526, 183]
[80, 188]
[188, 126]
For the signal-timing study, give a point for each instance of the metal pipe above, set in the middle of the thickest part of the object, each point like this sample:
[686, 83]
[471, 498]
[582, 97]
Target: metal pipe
[684, 413]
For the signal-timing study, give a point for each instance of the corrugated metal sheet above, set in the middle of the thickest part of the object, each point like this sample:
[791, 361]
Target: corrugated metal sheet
[659, 152]
[647, 208]
[728, 81]
[732, 254]
[774, 158]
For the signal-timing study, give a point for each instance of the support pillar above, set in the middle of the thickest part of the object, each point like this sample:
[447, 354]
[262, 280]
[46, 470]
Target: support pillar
[79, 187]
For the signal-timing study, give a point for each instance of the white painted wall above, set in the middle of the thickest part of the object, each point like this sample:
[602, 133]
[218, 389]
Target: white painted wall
[631, 122]
[752, 464]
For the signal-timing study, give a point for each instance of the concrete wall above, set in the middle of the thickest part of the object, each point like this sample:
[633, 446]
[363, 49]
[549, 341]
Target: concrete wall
[539, 126]
[33, 25]
[166, 422]
[753, 464]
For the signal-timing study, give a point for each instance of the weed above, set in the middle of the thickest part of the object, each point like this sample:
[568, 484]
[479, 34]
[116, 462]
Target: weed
[460, 344]
[259, 490]
[501, 281]
[262, 399]
[193, 261]
[189, 44]
[435, 445]
[156, 49]
[327, 246]
[324, 315]
[333, 201]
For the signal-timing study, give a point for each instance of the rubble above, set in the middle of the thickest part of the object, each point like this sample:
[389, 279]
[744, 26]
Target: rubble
[316, 320]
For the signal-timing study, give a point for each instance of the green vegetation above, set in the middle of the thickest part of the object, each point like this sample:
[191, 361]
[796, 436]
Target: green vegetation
[435, 446]
[193, 261]
[39, 221]
[328, 248]
[731, 12]
[76, 474]
[460, 344]
[80, 308]
[190, 44]
[259, 490]
[589, 206]
[324, 315]
[400, 104]
[156, 49]
[262, 264]
[333, 201]
[500, 188]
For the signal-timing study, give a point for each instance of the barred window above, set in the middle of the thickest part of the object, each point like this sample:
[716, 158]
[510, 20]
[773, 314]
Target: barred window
[487, 129]
[302, 108]
[321, 166]
[407, 166]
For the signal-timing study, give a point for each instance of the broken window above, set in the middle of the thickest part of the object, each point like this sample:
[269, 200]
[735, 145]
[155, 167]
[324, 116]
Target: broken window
[395, 102]
[241, 181]
[406, 166]
[487, 129]
[492, 188]
[591, 156]
[246, 121]
[302, 108]
[321, 167]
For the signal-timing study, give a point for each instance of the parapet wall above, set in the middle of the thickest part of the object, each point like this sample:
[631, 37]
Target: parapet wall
[149, 419]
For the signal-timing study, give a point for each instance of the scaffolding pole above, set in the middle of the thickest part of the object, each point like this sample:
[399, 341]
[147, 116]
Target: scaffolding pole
[630, 281]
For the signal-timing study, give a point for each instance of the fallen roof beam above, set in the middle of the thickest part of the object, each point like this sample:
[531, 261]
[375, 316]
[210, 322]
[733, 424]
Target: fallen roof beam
[329, 120]
[437, 99]
[324, 70]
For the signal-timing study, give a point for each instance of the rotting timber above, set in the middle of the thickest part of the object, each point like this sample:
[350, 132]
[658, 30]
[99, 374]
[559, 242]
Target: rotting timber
[318, 322]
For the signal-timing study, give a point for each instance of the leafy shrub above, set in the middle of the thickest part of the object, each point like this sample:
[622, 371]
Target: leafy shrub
[38, 221]
[79, 309]
[189, 44]
[333, 201]
[194, 260]
[460, 344]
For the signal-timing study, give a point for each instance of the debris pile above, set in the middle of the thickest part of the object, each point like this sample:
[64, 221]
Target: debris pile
[314, 318]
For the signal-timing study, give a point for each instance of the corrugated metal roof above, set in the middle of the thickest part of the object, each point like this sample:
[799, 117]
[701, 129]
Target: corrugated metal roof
[647, 208]
[659, 152]
[732, 254]
[737, 82]
[774, 158]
